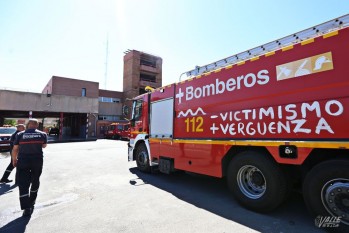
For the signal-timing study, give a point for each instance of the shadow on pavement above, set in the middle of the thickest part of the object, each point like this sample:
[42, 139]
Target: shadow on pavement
[212, 194]
[18, 225]
[6, 188]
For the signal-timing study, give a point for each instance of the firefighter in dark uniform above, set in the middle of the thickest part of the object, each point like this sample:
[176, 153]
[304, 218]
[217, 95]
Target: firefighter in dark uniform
[27, 156]
[4, 179]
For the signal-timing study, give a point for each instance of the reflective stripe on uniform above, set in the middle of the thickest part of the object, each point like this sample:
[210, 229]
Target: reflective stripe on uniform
[24, 195]
[34, 191]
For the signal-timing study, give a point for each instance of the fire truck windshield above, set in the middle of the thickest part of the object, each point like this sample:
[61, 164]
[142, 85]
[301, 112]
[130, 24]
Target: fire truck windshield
[137, 110]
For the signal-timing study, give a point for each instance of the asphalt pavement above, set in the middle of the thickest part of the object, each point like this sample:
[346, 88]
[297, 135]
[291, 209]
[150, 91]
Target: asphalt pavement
[90, 187]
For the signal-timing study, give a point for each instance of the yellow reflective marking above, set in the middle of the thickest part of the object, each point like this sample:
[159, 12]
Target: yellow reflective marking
[287, 48]
[218, 70]
[241, 63]
[304, 144]
[270, 54]
[254, 58]
[304, 42]
[334, 33]
[228, 67]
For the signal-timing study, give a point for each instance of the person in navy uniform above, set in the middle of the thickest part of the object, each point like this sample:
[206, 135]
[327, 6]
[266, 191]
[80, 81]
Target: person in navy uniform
[4, 179]
[27, 156]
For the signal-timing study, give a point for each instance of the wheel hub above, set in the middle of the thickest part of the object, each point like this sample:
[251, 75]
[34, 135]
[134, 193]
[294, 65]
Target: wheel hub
[251, 181]
[143, 158]
[335, 198]
[257, 178]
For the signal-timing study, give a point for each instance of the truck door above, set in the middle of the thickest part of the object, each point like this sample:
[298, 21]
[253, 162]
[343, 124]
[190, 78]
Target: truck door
[161, 124]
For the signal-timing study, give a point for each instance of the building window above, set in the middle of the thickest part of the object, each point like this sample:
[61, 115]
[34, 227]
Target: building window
[109, 100]
[148, 78]
[83, 92]
[142, 91]
[148, 61]
[108, 117]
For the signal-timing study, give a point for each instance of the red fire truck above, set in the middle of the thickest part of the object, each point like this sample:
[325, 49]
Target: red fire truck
[118, 131]
[267, 119]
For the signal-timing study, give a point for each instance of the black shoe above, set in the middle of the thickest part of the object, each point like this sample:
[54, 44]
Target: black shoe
[5, 181]
[27, 212]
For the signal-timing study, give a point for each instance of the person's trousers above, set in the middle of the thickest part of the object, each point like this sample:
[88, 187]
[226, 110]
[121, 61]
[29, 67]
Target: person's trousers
[28, 175]
[8, 171]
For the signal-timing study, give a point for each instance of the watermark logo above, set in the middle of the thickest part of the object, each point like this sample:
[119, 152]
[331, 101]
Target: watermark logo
[327, 221]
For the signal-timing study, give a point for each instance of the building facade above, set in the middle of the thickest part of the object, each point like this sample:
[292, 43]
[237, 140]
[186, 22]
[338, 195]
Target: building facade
[82, 108]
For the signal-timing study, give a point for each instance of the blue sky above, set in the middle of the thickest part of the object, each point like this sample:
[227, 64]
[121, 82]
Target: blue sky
[42, 38]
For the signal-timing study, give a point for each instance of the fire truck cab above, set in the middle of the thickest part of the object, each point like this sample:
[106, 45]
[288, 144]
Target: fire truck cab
[118, 131]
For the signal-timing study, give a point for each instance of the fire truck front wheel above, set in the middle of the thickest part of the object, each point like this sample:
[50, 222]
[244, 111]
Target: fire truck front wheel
[142, 158]
[256, 181]
[326, 193]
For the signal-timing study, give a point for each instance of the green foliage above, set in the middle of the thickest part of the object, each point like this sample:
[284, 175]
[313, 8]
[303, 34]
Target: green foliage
[10, 122]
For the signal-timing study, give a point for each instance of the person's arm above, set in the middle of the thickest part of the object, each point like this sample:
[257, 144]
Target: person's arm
[14, 155]
[45, 141]
[12, 139]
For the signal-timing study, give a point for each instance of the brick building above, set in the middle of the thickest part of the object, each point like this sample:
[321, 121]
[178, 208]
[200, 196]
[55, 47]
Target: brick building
[82, 108]
[140, 70]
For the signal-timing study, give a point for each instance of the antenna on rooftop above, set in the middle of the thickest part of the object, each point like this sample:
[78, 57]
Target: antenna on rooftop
[106, 62]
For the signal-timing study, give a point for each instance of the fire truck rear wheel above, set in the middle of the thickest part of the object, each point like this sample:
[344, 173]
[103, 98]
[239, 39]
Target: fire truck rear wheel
[256, 181]
[326, 192]
[142, 158]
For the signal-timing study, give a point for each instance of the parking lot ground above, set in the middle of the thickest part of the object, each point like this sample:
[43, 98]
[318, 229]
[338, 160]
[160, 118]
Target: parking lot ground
[90, 187]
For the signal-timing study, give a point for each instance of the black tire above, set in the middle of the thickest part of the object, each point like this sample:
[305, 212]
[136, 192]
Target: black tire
[326, 189]
[142, 158]
[256, 181]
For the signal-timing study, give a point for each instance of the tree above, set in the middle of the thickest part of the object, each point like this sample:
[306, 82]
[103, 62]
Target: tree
[10, 122]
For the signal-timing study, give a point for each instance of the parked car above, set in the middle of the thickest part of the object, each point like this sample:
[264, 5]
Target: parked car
[53, 131]
[5, 135]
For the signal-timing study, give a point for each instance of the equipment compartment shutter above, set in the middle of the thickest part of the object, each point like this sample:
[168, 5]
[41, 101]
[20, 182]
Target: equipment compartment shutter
[161, 119]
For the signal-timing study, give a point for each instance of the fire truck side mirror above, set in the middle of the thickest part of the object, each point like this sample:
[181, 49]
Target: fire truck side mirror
[125, 110]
